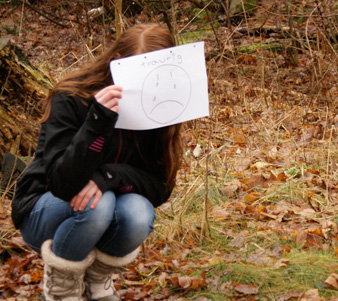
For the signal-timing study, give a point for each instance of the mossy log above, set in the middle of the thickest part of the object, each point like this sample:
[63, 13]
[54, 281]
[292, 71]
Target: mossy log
[22, 86]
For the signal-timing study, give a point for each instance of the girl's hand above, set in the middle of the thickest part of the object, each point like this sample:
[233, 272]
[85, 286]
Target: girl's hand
[80, 201]
[109, 96]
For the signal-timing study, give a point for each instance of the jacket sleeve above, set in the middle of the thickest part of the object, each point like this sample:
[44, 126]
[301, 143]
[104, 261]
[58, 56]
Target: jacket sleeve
[75, 137]
[124, 178]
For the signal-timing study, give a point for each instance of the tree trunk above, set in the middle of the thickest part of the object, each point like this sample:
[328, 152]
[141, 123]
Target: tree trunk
[22, 86]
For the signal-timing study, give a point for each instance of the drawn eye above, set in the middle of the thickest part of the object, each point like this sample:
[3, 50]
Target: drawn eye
[158, 79]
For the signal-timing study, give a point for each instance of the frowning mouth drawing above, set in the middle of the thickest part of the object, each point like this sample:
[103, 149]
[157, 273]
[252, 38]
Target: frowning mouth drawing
[165, 93]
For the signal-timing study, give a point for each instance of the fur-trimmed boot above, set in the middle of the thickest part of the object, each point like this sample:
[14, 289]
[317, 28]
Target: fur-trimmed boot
[63, 279]
[100, 286]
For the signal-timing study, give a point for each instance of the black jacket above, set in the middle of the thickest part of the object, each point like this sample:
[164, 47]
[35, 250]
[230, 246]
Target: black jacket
[79, 142]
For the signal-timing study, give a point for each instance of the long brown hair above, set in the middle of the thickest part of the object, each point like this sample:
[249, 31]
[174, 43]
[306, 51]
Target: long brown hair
[93, 77]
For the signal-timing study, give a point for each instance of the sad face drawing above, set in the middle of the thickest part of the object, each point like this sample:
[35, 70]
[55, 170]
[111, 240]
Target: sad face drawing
[165, 93]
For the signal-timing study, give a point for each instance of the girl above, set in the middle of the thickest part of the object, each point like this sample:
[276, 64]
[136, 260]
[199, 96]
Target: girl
[87, 200]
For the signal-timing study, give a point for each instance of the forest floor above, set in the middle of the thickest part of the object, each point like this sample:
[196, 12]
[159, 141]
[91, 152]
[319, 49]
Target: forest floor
[254, 212]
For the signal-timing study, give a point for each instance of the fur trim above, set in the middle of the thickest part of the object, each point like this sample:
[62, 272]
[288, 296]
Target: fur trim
[63, 264]
[116, 261]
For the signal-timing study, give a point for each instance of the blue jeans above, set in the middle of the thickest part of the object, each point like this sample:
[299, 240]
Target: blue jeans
[117, 225]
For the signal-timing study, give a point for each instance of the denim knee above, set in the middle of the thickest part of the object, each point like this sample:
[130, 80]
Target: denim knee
[136, 214]
[133, 221]
[101, 216]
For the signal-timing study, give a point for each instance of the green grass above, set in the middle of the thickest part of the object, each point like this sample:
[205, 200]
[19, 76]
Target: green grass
[305, 271]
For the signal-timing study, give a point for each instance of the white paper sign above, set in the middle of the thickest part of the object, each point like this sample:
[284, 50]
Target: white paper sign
[162, 88]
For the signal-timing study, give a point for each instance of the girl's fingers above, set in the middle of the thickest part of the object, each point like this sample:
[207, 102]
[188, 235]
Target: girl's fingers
[73, 201]
[85, 200]
[76, 201]
[109, 96]
[81, 200]
[105, 100]
[111, 104]
[115, 91]
[98, 196]
[109, 88]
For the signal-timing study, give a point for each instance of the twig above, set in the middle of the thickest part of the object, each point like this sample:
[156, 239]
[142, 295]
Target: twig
[43, 14]
[213, 29]
[6, 81]
[173, 22]
[89, 28]
[206, 220]
[328, 166]
[204, 8]
[245, 16]
[307, 30]
[21, 19]
[118, 18]
[90, 52]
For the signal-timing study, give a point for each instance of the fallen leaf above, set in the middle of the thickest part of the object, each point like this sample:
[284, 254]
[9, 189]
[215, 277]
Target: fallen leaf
[311, 295]
[289, 296]
[260, 165]
[281, 177]
[239, 137]
[332, 281]
[304, 212]
[238, 242]
[174, 281]
[198, 283]
[184, 282]
[281, 263]
[220, 212]
[197, 151]
[316, 231]
[242, 164]
[162, 278]
[250, 198]
[230, 190]
[216, 258]
[246, 289]
[286, 248]
[307, 136]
